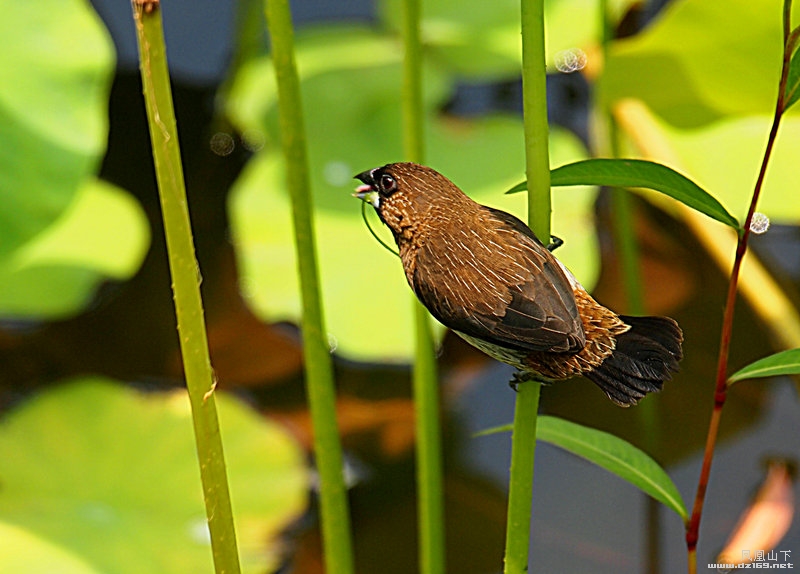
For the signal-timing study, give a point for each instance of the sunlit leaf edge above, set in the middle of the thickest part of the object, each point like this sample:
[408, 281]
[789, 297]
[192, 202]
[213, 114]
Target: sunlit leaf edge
[639, 173]
[102, 235]
[782, 363]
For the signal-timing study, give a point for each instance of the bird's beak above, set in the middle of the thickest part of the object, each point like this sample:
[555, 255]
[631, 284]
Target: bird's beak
[368, 194]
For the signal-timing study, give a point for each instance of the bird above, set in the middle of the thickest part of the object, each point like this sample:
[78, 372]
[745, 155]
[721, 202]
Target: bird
[485, 275]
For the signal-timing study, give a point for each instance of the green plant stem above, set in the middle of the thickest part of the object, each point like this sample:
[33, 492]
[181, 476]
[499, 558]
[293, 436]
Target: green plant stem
[430, 502]
[534, 103]
[200, 380]
[249, 41]
[721, 389]
[318, 365]
[413, 108]
[628, 249]
[537, 171]
[430, 505]
[520, 486]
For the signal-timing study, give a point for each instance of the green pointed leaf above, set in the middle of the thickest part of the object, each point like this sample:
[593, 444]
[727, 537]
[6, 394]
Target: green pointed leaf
[793, 81]
[639, 173]
[611, 453]
[122, 490]
[783, 363]
[616, 456]
[726, 157]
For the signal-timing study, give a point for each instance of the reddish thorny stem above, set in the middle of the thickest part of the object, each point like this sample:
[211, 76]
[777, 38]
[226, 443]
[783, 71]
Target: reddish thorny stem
[720, 394]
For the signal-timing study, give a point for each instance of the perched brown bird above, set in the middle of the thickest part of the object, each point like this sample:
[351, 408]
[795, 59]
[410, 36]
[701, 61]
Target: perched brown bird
[484, 274]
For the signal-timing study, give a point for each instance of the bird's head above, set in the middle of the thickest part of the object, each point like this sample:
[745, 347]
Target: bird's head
[404, 194]
[377, 183]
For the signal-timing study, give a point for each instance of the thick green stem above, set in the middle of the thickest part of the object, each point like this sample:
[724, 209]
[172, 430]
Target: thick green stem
[413, 109]
[318, 365]
[534, 103]
[430, 506]
[520, 486]
[534, 98]
[200, 380]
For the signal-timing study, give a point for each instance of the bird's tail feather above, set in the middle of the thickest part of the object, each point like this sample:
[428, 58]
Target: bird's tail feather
[645, 356]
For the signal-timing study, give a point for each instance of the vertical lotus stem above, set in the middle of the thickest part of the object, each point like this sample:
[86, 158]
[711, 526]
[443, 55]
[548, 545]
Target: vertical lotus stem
[426, 389]
[200, 380]
[523, 446]
[318, 365]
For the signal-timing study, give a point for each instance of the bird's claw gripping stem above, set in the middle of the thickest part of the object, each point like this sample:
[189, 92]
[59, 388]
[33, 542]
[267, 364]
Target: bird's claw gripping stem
[555, 243]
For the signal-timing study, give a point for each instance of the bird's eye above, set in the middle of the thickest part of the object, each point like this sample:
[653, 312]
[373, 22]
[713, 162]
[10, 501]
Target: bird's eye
[388, 183]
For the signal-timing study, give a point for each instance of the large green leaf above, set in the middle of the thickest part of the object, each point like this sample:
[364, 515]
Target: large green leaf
[702, 60]
[480, 39]
[61, 231]
[56, 62]
[471, 38]
[611, 453]
[353, 122]
[108, 477]
[638, 173]
[102, 234]
[783, 363]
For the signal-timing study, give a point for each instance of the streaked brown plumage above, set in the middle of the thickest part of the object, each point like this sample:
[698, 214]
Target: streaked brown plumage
[483, 273]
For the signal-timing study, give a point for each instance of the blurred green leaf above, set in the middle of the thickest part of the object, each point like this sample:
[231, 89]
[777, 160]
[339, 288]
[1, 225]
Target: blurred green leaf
[638, 173]
[61, 231]
[611, 453]
[701, 60]
[102, 234]
[56, 63]
[122, 492]
[353, 123]
[34, 553]
[616, 456]
[470, 38]
[481, 40]
[783, 363]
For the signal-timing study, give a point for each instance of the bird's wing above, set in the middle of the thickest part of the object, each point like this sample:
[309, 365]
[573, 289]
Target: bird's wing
[499, 284]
